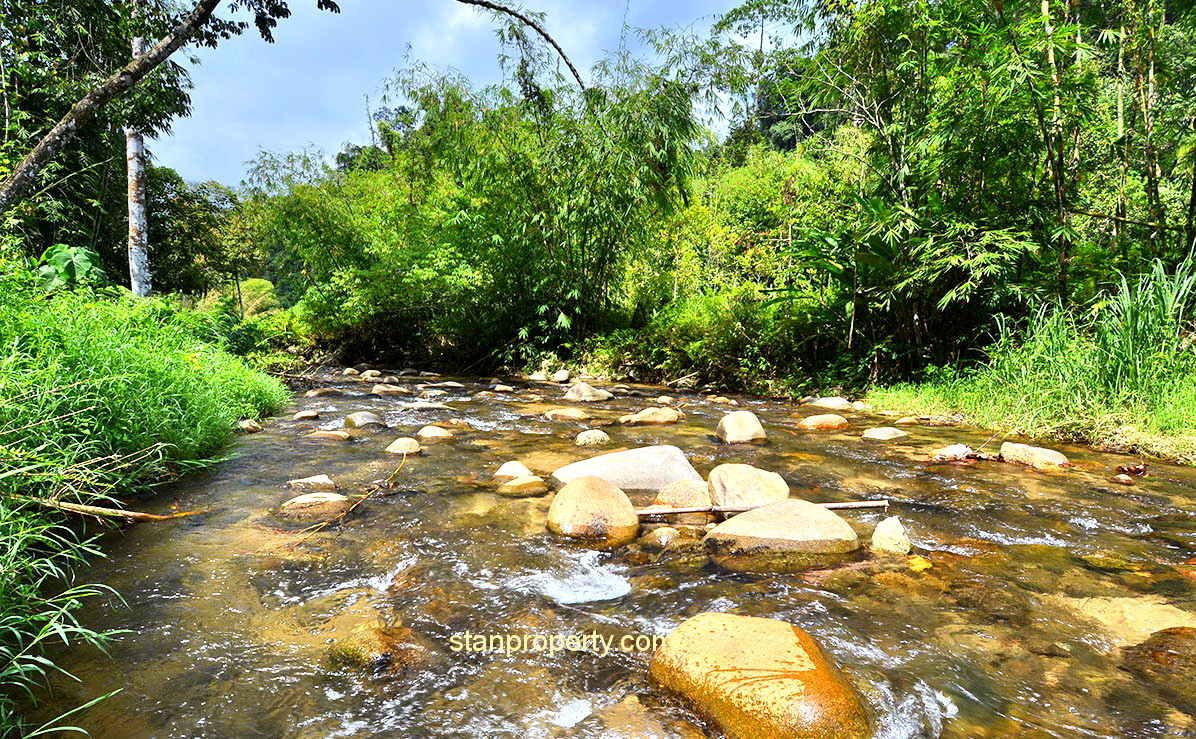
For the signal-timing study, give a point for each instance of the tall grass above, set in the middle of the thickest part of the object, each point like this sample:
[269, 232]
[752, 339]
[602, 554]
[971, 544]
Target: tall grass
[1122, 376]
[97, 396]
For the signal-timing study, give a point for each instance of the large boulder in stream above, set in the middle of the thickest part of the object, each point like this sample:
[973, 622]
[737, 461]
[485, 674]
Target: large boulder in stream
[646, 468]
[1033, 456]
[1166, 663]
[740, 427]
[745, 485]
[758, 678]
[594, 510]
[586, 393]
[788, 536]
[685, 494]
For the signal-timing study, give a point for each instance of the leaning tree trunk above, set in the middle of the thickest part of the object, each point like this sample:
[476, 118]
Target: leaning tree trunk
[139, 274]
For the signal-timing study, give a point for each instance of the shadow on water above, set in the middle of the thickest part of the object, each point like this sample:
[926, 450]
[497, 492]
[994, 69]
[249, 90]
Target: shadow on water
[1036, 583]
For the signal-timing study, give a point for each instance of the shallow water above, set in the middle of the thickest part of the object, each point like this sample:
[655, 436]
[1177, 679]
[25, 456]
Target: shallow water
[1009, 633]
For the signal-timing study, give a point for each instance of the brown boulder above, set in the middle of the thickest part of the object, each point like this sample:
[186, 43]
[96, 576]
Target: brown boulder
[740, 427]
[745, 485]
[685, 494]
[567, 414]
[823, 422]
[593, 509]
[788, 536]
[758, 678]
[523, 487]
[404, 445]
[1033, 456]
[315, 506]
[653, 417]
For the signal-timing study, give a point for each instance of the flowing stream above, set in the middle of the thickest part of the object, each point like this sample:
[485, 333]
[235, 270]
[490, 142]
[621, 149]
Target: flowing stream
[1036, 582]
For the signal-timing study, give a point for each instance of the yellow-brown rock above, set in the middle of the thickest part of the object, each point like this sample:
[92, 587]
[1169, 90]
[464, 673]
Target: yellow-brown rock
[758, 678]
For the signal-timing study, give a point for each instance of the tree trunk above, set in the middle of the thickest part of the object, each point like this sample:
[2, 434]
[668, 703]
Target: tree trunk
[139, 274]
[84, 112]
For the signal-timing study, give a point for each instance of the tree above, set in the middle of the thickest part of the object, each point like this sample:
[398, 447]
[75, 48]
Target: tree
[266, 16]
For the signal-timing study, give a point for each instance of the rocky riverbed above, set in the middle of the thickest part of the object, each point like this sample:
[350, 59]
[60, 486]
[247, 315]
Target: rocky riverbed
[421, 556]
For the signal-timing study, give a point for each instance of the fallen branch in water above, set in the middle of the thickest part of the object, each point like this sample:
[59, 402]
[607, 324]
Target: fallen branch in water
[663, 511]
[91, 510]
[311, 531]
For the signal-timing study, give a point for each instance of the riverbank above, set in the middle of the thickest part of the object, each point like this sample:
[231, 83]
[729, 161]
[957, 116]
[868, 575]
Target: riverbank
[100, 397]
[1015, 412]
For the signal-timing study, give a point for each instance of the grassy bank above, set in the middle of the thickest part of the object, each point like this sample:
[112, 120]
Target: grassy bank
[1121, 376]
[99, 396]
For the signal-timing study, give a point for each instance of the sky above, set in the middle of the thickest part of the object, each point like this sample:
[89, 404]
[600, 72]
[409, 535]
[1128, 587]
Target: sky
[310, 87]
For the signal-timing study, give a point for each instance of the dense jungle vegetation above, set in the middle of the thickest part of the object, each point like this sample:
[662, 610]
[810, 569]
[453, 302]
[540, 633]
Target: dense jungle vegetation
[955, 205]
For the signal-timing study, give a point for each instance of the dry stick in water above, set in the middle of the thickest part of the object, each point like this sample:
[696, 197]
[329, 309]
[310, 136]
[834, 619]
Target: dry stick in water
[662, 511]
[91, 510]
[317, 528]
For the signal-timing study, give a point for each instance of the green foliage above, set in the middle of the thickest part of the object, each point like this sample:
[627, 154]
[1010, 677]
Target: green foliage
[69, 266]
[96, 395]
[1123, 376]
[499, 228]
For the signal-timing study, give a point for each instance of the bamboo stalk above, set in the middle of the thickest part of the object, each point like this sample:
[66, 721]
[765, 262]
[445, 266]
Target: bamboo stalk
[663, 511]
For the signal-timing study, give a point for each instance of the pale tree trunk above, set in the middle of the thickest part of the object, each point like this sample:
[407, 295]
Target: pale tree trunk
[139, 273]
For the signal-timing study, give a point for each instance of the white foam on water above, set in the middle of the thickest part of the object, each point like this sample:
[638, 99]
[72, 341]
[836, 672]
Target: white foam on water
[584, 579]
[572, 713]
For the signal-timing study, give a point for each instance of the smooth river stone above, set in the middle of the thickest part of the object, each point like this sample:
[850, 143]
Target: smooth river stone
[788, 536]
[315, 506]
[758, 678]
[1033, 456]
[587, 393]
[646, 468]
[740, 427]
[745, 485]
[595, 510]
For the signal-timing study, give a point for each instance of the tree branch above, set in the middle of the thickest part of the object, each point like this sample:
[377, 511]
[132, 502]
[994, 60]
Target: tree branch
[85, 111]
[535, 26]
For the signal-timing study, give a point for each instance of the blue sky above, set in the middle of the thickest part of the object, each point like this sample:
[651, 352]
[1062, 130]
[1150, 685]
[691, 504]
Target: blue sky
[309, 88]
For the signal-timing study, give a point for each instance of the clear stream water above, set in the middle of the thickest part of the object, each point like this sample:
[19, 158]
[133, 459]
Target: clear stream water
[1036, 582]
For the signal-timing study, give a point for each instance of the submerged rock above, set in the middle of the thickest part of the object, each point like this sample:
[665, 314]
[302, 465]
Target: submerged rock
[890, 538]
[523, 487]
[645, 468]
[685, 494]
[652, 417]
[1166, 662]
[333, 435]
[379, 648]
[745, 485]
[758, 678]
[884, 433]
[511, 470]
[788, 536]
[315, 482]
[363, 419]
[587, 393]
[1034, 456]
[824, 422]
[907, 421]
[315, 506]
[567, 414]
[740, 427]
[404, 445]
[593, 509]
[592, 437]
